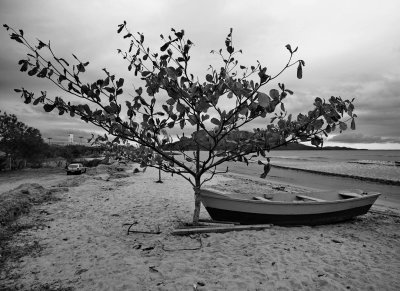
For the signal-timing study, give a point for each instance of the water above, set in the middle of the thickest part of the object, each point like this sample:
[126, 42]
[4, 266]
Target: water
[372, 164]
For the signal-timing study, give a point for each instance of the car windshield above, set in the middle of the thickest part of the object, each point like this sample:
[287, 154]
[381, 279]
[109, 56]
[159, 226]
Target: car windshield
[73, 166]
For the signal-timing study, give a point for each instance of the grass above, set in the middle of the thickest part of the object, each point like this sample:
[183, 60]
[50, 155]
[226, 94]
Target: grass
[13, 204]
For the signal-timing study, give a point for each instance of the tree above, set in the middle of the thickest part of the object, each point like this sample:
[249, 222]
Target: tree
[214, 108]
[20, 141]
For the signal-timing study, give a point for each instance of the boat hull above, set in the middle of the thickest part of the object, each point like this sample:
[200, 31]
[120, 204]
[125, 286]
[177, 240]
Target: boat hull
[244, 211]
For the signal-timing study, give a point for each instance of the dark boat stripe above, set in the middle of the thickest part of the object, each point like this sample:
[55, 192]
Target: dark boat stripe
[296, 219]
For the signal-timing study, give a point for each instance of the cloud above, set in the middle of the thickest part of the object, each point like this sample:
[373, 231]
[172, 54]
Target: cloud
[361, 138]
[350, 50]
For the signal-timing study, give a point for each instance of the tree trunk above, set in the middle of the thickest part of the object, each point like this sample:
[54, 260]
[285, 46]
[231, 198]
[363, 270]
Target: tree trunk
[197, 203]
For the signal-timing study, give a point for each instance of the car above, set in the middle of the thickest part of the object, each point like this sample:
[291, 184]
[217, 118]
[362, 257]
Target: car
[76, 168]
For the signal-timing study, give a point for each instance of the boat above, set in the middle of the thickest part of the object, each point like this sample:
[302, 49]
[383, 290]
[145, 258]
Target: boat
[287, 208]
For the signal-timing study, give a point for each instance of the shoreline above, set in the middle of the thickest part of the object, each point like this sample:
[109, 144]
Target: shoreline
[369, 179]
[390, 194]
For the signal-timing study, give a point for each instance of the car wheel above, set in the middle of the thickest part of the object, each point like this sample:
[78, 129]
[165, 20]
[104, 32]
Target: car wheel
[68, 173]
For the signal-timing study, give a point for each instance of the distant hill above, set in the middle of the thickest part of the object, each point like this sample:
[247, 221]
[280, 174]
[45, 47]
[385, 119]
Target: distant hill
[189, 144]
[299, 147]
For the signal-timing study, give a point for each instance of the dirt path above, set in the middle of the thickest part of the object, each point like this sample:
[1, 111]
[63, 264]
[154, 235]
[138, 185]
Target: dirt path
[44, 176]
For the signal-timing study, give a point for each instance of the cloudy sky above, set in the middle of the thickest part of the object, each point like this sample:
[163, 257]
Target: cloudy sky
[351, 49]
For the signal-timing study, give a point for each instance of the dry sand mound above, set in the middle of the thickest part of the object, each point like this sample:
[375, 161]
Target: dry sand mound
[15, 202]
[113, 171]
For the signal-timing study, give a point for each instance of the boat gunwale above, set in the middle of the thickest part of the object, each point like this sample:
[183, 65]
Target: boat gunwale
[301, 202]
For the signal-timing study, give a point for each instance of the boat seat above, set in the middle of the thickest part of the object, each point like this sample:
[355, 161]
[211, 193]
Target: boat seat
[350, 194]
[310, 198]
[260, 198]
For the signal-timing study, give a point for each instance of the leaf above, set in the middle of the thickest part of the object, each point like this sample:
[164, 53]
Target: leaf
[81, 68]
[182, 123]
[42, 73]
[146, 117]
[106, 81]
[289, 48]
[180, 107]
[61, 78]
[145, 73]
[274, 94]
[215, 121]
[192, 119]
[205, 117]
[342, 126]
[37, 100]
[244, 111]
[165, 46]
[139, 91]
[263, 99]
[318, 124]
[353, 124]
[16, 38]
[120, 82]
[172, 73]
[328, 128]
[165, 107]
[121, 27]
[33, 71]
[299, 71]
[24, 67]
[170, 101]
[48, 107]
[209, 78]
[109, 89]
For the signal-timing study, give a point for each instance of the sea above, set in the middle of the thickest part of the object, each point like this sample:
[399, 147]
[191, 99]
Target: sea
[374, 165]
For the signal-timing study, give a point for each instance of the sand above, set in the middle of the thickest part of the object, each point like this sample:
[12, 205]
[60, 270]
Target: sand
[81, 243]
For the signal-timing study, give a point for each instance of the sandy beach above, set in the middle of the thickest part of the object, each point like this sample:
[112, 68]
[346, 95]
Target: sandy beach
[78, 240]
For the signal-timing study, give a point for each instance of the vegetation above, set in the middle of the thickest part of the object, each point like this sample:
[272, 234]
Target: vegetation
[212, 108]
[73, 152]
[21, 144]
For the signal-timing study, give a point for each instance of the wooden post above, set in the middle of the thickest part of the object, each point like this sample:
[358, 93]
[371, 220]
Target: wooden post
[220, 229]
